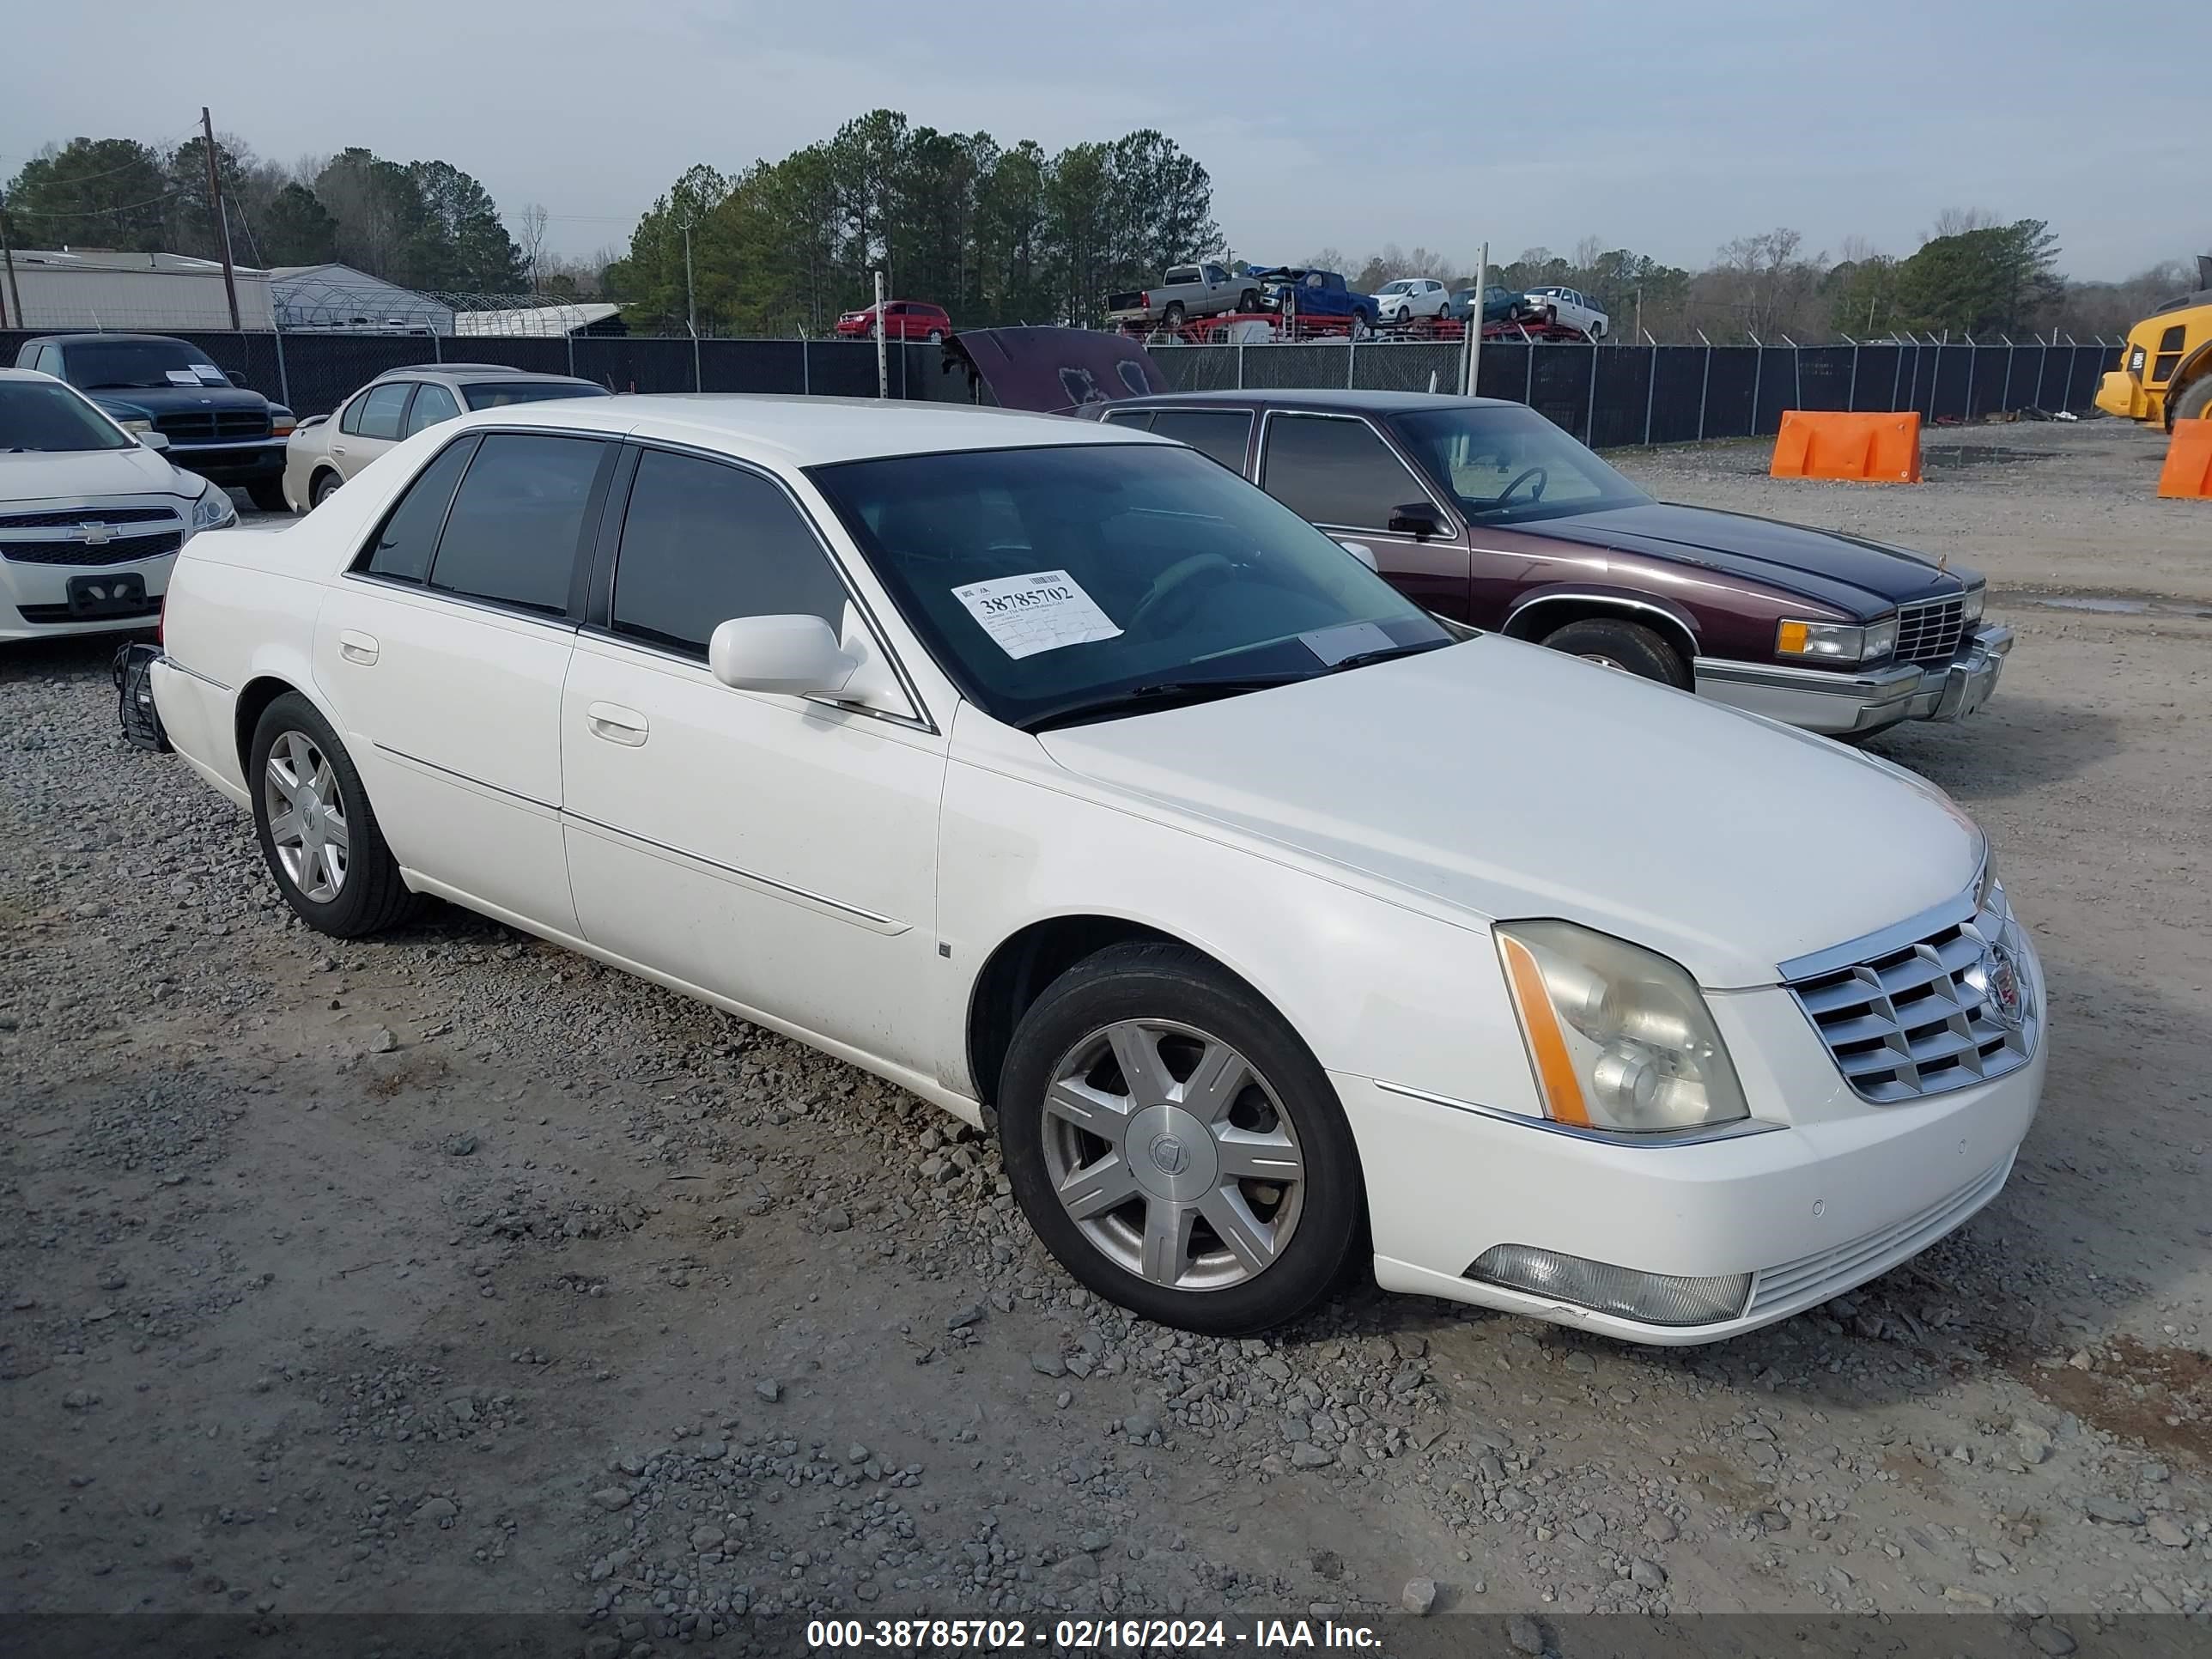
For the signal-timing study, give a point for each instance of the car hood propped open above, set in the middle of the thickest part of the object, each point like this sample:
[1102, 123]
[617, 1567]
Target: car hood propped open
[1055, 371]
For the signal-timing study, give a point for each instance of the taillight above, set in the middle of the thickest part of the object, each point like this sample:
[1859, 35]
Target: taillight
[1144, 302]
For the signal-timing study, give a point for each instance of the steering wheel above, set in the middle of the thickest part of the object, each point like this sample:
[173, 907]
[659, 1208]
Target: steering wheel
[1538, 473]
[1175, 578]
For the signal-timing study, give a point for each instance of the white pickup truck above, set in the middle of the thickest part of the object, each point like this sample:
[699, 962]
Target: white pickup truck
[1205, 289]
[1567, 307]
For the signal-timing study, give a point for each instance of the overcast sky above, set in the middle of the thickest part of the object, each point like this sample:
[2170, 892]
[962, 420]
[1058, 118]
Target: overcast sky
[1667, 126]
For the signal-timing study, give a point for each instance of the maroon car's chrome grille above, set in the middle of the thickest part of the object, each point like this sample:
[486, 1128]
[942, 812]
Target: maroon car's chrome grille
[1931, 631]
[76, 550]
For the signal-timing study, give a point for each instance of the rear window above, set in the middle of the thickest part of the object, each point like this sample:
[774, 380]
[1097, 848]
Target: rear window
[517, 524]
[498, 394]
[402, 549]
[380, 410]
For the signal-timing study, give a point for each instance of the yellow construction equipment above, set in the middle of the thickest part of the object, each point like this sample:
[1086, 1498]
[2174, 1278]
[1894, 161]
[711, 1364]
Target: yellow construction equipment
[2166, 367]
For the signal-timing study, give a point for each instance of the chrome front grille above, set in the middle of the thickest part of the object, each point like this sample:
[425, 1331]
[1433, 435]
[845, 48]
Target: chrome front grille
[76, 551]
[1953, 1007]
[1929, 632]
[68, 517]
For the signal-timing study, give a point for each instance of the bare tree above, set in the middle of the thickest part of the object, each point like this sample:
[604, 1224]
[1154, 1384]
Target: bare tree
[530, 234]
[1957, 221]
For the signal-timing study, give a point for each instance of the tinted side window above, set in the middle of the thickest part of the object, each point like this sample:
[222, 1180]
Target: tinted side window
[432, 404]
[50, 362]
[1219, 433]
[402, 549]
[517, 522]
[380, 410]
[703, 542]
[1139, 418]
[1334, 471]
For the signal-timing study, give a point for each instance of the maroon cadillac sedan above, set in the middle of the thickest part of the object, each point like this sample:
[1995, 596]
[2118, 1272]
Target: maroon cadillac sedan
[1487, 514]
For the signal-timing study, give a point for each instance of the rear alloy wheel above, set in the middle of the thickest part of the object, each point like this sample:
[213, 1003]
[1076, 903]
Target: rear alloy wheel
[318, 835]
[1248, 301]
[1172, 317]
[325, 486]
[1176, 1145]
[1628, 646]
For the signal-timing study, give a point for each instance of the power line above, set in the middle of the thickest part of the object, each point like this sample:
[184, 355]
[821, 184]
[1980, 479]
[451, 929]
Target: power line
[90, 212]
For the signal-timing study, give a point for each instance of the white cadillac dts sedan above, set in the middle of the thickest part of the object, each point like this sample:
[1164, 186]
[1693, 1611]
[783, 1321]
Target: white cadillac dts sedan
[1057, 774]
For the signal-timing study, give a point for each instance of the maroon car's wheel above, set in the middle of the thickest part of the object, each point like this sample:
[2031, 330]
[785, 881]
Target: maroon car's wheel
[1629, 647]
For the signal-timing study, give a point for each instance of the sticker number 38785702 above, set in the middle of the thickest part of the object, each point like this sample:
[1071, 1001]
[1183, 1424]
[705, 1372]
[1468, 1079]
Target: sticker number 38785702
[1041, 612]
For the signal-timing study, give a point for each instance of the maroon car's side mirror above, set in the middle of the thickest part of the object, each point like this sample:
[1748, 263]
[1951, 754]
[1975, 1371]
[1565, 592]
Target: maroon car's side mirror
[1415, 518]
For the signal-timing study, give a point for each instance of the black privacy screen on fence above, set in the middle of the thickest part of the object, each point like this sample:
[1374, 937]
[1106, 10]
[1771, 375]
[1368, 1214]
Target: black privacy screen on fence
[1609, 396]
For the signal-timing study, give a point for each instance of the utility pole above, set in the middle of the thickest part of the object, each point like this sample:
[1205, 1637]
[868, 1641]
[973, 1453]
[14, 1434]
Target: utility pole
[883, 357]
[1474, 319]
[221, 219]
[15, 305]
[690, 303]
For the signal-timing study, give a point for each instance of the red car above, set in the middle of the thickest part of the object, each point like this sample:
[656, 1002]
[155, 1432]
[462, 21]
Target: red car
[903, 319]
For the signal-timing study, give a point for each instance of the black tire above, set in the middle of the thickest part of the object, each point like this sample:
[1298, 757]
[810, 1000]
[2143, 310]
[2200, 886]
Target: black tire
[268, 495]
[372, 897]
[1248, 301]
[2195, 403]
[1630, 646]
[1169, 982]
[1173, 316]
[327, 485]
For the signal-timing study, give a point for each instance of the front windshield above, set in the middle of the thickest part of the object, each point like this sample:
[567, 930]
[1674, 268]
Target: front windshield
[49, 419]
[97, 363]
[1051, 581]
[1396, 287]
[1510, 466]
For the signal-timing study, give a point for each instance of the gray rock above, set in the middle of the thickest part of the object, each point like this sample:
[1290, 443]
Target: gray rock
[1310, 1456]
[962, 1318]
[1648, 1574]
[435, 1509]
[2168, 1531]
[2047, 1637]
[381, 1041]
[1526, 1635]
[1660, 1528]
[2113, 1512]
[1139, 1423]
[769, 1390]
[1093, 1543]
[1047, 1362]
[1515, 1500]
[460, 1146]
[1418, 1596]
[611, 1498]
[856, 1453]
[836, 1221]
[707, 1538]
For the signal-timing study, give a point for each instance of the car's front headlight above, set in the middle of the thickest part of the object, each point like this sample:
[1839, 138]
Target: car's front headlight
[1620, 1037]
[213, 510]
[134, 424]
[1976, 598]
[1837, 641]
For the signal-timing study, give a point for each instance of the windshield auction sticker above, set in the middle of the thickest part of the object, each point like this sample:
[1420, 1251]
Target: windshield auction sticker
[1041, 612]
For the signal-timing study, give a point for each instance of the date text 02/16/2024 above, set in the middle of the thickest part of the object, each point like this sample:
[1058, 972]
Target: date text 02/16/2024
[1086, 1635]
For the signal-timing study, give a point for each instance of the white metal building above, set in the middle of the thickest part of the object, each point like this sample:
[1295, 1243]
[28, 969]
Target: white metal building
[152, 293]
[339, 298]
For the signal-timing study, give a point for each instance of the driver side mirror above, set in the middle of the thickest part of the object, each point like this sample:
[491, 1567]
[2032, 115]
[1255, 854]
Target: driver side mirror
[1416, 519]
[234, 377]
[796, 656]
[1361, 551]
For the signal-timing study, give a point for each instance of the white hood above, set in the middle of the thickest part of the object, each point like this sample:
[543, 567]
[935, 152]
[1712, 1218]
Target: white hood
[87, 475]
[1508, 782]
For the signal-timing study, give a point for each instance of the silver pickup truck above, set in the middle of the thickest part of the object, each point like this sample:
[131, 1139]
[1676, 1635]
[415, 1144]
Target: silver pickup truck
[1205, 289]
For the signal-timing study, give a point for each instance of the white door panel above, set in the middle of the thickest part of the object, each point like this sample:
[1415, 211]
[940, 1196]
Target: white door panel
[777, 851]
[451, 712]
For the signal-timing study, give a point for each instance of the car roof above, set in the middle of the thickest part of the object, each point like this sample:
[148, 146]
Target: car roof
[86, 339]
[483, 371]
[1351, 403]
[808, 431]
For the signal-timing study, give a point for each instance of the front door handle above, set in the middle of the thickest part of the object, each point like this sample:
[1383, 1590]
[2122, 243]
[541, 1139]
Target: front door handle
[357, 648]
[617, 723]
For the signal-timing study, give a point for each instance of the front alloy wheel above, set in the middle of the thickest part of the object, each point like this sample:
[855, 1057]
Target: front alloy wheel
[1173, 1155]
[1175, 1144]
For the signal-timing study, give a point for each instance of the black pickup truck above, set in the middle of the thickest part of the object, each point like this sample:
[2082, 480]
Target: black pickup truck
[214, 426]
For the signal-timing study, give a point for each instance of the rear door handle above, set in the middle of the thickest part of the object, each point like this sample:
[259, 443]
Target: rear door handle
[617, 723]
[337, 449]
[357, 648]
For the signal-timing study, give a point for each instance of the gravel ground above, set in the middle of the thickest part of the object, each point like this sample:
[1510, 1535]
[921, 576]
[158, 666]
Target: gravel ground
[451, 1272]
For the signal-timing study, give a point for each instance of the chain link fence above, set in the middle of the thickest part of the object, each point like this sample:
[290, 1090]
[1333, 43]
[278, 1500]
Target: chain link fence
[1609, 396]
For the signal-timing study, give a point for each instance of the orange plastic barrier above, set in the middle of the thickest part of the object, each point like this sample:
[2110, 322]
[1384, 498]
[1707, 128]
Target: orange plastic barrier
[2187, 475]
[1865, 449]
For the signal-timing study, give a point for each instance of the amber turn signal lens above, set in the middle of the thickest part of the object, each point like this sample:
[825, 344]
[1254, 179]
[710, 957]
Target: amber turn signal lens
[1547, 1044]
[1790, 641]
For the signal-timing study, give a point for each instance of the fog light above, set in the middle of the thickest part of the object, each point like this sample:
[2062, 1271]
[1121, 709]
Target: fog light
[1648, 1298]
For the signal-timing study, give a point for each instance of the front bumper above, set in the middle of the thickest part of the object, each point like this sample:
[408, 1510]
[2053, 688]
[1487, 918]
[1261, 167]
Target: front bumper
[231, 463]
[1842, 704]
[1809, 1211]
[34, 598]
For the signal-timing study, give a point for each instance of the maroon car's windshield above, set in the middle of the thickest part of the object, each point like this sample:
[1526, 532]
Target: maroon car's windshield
[1511, 465]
